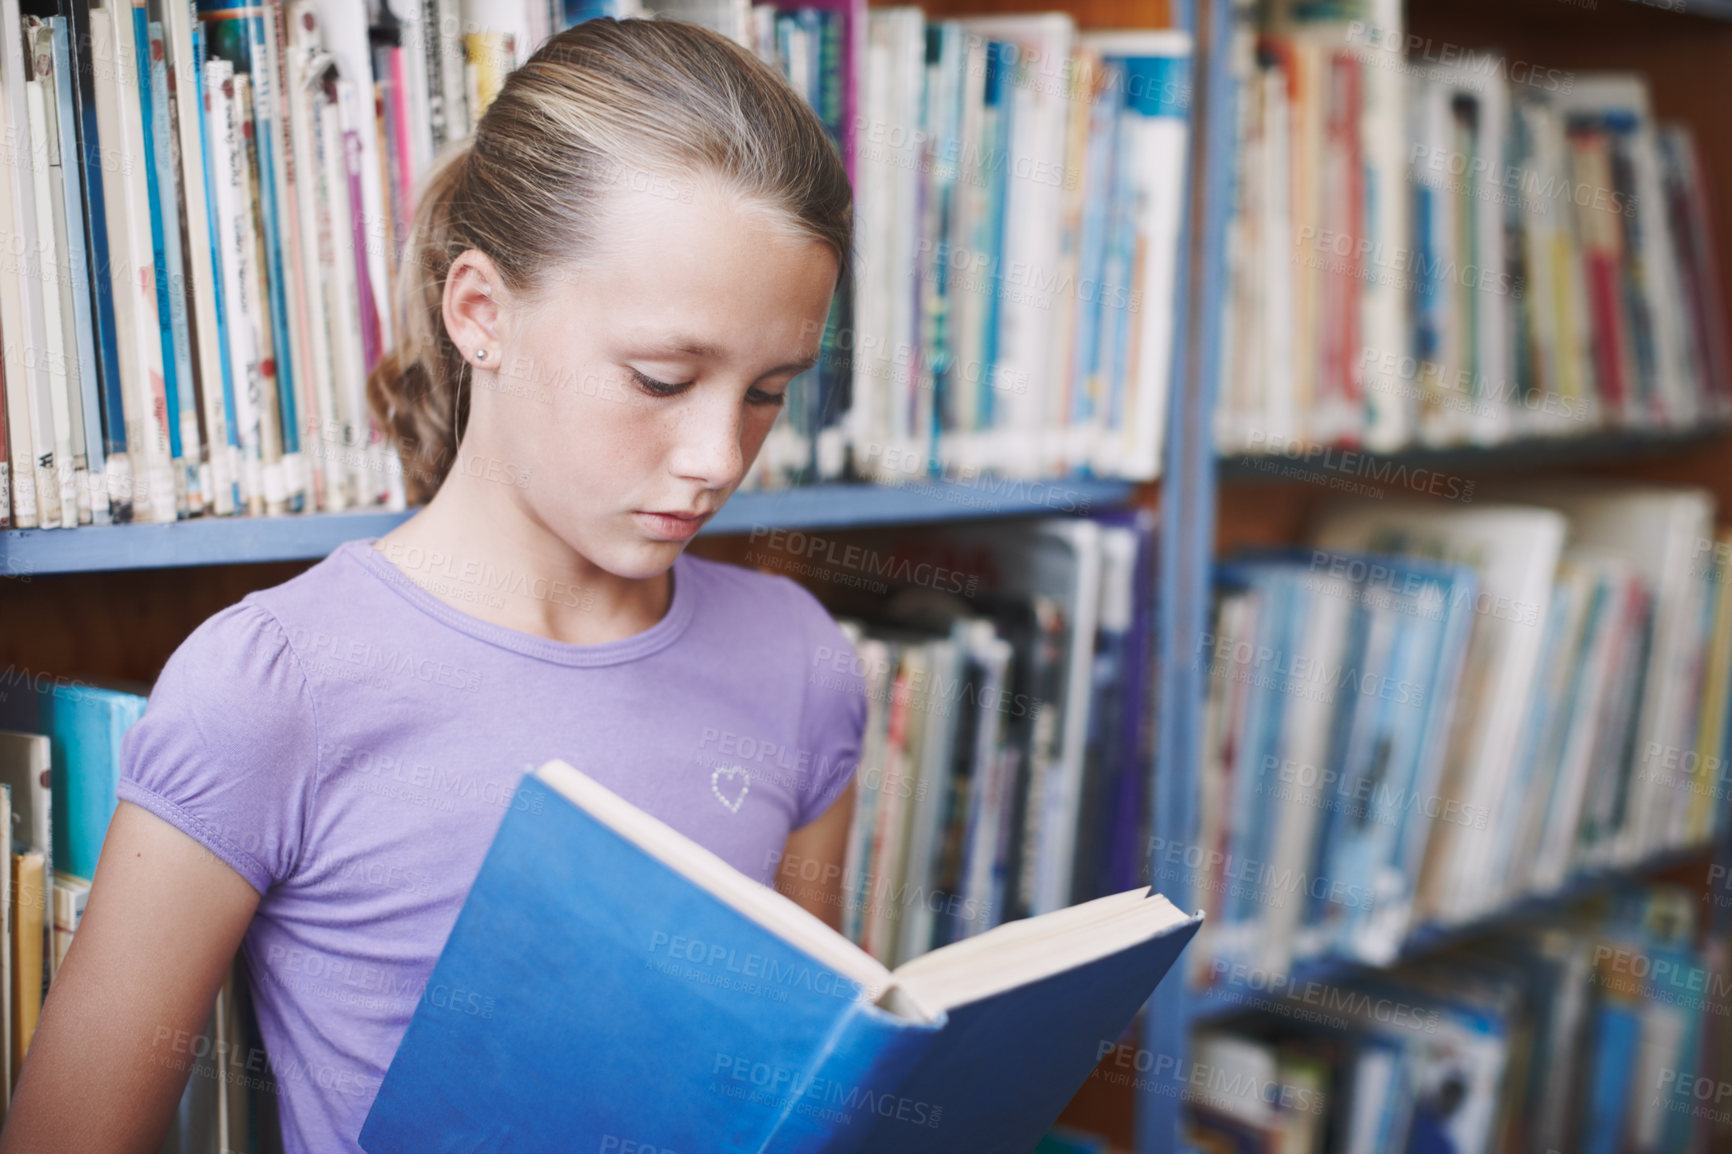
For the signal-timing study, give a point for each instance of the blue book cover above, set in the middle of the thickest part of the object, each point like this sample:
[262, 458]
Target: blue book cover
[997, 135]
[152, 112]
[164, 182]
[621, 981]
[84, 725]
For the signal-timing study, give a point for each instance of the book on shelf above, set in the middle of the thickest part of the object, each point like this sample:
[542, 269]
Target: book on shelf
[1008, 736]
[227, 190]
[980, 1042]
[1584, 1035]
[1454, 251]
[1437, 712]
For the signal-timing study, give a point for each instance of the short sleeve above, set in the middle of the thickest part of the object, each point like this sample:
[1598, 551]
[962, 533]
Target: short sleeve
[227, 749]
[834, 718]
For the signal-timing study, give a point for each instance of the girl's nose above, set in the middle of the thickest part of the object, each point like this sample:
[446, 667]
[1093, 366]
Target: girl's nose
[707, 447]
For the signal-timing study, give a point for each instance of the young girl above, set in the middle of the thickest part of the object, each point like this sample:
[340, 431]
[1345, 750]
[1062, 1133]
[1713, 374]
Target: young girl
[607, 294]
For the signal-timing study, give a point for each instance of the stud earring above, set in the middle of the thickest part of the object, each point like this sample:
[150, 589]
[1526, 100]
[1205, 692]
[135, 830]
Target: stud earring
[480, 354]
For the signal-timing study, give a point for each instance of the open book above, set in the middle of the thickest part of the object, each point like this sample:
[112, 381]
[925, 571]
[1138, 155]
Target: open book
[608, 979]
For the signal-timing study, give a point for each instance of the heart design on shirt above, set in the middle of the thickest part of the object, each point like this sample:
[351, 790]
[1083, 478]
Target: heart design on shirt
[730, 772]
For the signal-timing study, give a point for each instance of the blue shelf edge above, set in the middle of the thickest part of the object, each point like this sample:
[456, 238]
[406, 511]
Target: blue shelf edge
[241, 540]
[1206, 1005]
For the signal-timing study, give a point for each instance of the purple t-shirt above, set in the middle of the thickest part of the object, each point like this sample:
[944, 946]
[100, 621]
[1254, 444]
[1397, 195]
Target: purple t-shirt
[349, 743]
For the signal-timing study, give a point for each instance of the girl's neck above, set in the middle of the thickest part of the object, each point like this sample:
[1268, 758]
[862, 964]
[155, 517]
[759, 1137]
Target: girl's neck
[493, 560]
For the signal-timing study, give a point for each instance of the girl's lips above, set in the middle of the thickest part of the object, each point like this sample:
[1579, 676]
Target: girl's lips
[671, 526]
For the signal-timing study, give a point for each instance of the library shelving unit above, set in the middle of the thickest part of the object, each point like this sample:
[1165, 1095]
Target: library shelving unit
[113, 602]
[1685, 48]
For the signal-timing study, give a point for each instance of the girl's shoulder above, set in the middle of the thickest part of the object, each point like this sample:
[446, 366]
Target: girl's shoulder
[768, 602]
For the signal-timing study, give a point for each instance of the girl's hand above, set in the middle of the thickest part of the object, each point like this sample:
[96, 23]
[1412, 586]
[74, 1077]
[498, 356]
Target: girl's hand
[112, 1052]
[824, 841]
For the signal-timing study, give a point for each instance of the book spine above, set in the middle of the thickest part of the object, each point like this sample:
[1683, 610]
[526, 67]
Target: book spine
[66, 475]
[302, 55]
[132, 276]
[264, 82]
[76, 284]
[177, 335]
[21, 320]
[228, 253]
[177, 393]
[266, 397]
[116, 481]
[868, 1057]
[292, 273]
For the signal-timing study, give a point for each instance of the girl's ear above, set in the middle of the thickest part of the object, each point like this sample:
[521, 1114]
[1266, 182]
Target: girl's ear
[471, 309]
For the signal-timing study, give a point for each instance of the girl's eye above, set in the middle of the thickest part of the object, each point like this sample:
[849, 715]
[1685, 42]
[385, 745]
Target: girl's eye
[760, 398]
[655, 387]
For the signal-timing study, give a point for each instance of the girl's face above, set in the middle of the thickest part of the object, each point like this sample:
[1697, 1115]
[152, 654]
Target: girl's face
[642, 387]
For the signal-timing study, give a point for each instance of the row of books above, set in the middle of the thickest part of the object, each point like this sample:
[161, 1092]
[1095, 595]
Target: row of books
[209, 205]
[1019, 207]
[59, 764]
[60, 743]
[1003, 768]
[209, 199]
[1435, 711]
[1456, 251]
[1599, 1035]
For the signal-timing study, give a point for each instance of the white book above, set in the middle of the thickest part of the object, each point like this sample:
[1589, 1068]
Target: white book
[132, 263]
[1024, 363]
[1658, 530]
[343, 33]
[307, 64]
[274, 474]
[30, 412]
[1154, 142]
[202, 289]
[51, 246]
[233, 244]
[931, 787]
[64, 207]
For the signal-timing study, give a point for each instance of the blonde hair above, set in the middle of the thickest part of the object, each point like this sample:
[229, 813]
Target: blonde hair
[602, 105]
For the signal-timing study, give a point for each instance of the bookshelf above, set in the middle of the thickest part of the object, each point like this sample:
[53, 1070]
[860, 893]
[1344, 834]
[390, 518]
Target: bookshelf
[1247, 500]
[243, 540]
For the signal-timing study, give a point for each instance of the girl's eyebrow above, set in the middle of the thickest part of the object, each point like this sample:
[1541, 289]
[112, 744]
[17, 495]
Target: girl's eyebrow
[691, 347]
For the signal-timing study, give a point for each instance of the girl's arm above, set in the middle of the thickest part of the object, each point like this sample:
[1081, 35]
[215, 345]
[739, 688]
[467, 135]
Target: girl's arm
[111, 1054]
[814, 851]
